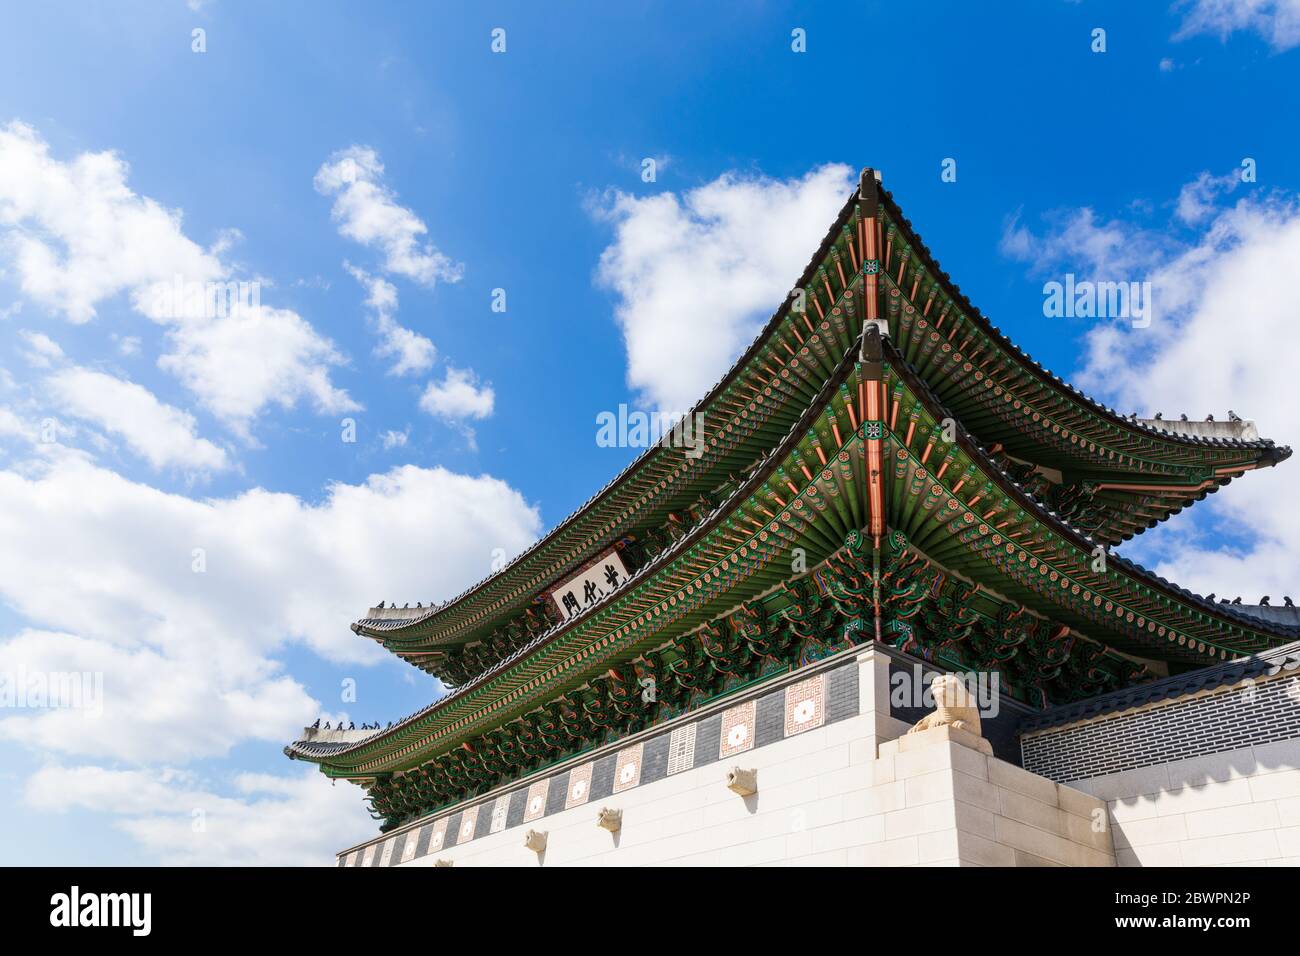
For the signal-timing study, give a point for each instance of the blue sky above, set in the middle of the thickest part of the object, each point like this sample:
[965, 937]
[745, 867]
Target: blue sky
[339, 153]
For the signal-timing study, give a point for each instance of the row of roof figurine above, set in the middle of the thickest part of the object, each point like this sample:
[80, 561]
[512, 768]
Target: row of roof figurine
[380, 606]
[1160, 416]
[351, 726]
[1263, 602]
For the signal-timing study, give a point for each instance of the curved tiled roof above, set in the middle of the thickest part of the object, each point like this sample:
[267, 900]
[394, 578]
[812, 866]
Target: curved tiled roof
[1230, 614]
[757, 476]
[1081, 538]
[381, 624]
[1269, 663]
[1270, 453]
[1042, 372]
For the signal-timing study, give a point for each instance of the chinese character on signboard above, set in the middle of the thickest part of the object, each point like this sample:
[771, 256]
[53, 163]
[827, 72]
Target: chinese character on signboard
[590, 586]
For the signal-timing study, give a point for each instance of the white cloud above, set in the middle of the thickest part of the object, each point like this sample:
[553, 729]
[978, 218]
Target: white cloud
[395, 439]
[189, 658]
[42, 351]
[1079, 240]
[1214, 346]
[1198, 199]
[1277, 21]
[697, 273]
[127, 345]
[77, 235]
[367, 212]
[163, 435]
[410, 351]
[293, 820]
[239, 363]
[154, 706]
[458, 396]
[13, 426]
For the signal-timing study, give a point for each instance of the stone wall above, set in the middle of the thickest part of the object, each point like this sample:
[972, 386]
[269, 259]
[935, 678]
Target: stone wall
[840, 791]
[1203, 779]
[1239, 807]
[944, 798]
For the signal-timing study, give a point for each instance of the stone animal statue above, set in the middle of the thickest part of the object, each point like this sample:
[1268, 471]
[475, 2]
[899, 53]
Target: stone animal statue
[953, 707]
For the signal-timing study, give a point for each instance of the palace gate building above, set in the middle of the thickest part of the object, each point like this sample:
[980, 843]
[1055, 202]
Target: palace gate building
[717, 658]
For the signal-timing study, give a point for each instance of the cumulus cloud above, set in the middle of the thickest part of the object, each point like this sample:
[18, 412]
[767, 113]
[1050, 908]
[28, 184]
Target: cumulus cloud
[42, 351]
[458, 396]
[12, 426]
[240, 363]
[149, 705]
[1223, 301]
[183, 604]
[77, 235]
[410, 351]
[268, 820]
[163, 435]
[127, 345]
[395, 439]
[1198, 199]
[367, 212]
[696, 273]
[1276, 21]
[1082, 241]
[75, 232]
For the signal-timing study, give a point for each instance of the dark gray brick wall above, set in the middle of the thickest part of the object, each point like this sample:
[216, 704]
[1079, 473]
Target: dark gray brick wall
[453, 830]
[397, 848]
[841, 693]
[769, 719]
[1230, 719]
[557, 794]
[602, 777]
[483, 825]
[518, 804]
[654, 759]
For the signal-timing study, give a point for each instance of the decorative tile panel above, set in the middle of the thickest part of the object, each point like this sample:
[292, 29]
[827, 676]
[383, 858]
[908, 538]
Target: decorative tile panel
[805, 705]
[536, 805]
[438, 837]
[467, 823]
[499, 811]
[738, 725]
[386, 857]
[412, 841]
[579, 786]
[351, 859]
[681, 749]
[370, 855]
[627, 769]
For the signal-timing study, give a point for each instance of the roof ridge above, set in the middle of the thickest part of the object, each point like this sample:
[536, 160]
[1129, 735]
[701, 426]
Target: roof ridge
[905, 226]
[742, 360]
[757, 476]
[1136, 570]
[1285, 657]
